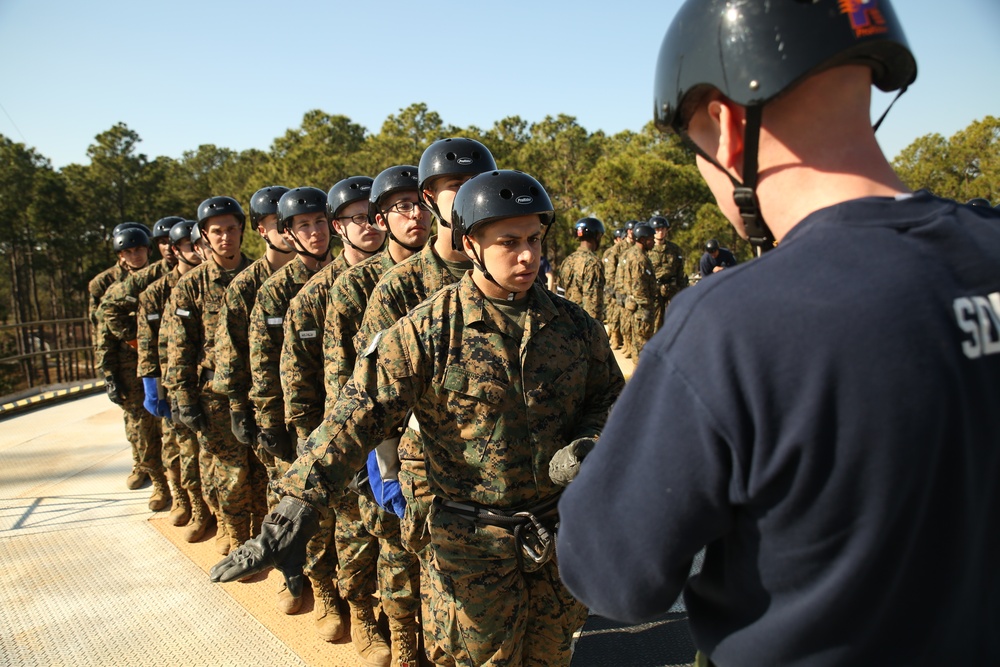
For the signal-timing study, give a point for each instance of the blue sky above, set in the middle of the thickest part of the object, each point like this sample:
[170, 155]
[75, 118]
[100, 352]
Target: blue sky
[238, 74]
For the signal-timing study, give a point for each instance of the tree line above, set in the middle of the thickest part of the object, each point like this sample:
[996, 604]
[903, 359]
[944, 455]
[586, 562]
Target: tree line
[55, 224]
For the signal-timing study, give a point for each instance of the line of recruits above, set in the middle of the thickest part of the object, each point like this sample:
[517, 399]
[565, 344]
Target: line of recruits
[405, 415]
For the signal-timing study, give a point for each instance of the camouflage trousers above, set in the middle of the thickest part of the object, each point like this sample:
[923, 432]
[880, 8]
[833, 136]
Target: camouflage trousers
[189, 462]
[240, 479]
[640, 330]
[170, 453]
[486, 611]
[398, 569]
[357, 550]
[612, 316]
[141, 428]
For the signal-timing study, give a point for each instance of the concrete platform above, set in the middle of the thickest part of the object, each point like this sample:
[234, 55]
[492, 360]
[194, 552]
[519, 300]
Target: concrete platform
[90, 576]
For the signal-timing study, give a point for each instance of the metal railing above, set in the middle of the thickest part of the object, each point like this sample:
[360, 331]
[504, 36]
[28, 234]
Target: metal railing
[49, 352]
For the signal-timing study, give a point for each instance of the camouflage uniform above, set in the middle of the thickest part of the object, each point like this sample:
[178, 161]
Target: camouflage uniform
[301, 372]
[611, 308]
[621, 294]
[640, 285]
[302, 350]
[398, 570]
[97, 286]
[582, 277]
[198, 298]
[494, 403]
[119, 336]
[668, 263]
[180, 446]
[117, 358]
[403, 288]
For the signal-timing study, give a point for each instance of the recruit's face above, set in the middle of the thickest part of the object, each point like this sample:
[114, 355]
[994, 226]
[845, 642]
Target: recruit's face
[268, 229]
[166, 250]
[135, 258]
[311, 232]
[442, 191]
[510, 249]
[364, 235]
[224, 234]
[411, 229]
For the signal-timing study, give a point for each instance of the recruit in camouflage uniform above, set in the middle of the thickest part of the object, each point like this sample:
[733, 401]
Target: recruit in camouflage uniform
[611, 307]
[301, 371]
[642, 292]
[302, 221]
[198, 298]
[398, 570]
[443, 360]
[119, 324]
[667, 259]
[622, 289]
[581, 275]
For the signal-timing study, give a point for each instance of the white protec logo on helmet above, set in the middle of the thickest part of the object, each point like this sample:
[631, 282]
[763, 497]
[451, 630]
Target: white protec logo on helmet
[524, 199]
[465, 161]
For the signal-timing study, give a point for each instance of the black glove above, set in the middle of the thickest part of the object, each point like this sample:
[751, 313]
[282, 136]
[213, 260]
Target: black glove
[281, 544]
[565, 464]
[277, 443]
[116, 395]
[243, 425]
[192, 417]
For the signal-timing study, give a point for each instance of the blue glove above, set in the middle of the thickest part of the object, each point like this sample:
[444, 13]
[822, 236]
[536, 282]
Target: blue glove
[387, 493]
[164, 408]
[152, 399]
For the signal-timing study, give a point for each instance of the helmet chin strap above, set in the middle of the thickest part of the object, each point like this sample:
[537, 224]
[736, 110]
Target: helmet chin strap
[347, 241]
[408, 247]
[180, 257]
[274, 247]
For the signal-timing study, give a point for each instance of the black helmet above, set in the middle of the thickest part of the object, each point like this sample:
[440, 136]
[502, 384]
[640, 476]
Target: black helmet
[452, 157]
[181, 231]
[588, 228]
[495, 195]
[195, 234]
[711, 245]
[214, 206]
[299, 201]
[753, 51]
[345, 192]
[659, 222]
[620, 233]
[393, 179]
[264, 202]
[130, 237]
[642, 230]
[631, 225]
[128, 225]
[161, 229]
[979, 201]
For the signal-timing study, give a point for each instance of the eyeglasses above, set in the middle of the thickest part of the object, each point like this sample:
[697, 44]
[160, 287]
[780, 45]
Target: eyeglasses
[406, 207]
[357, 218]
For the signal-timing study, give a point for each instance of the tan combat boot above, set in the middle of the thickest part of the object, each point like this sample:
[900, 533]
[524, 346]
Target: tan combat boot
[365, 636]
[160, 499]
[326, 609]
[201, 519]
[136, 479]
[286, 602]
[180, 513]
[403, 637]
[221, 537]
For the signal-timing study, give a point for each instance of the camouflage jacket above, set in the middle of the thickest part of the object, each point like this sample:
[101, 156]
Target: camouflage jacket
[344, 312]
[197, 301]
[494, 403]
[121, 302]
[621, 280]
[668, 265]
[610, 261]
[301, 364]
[152, 302]
[98, 285]
[640, 279]
[267, 332]
[403, 287]
[582, 277]
[232, 336]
